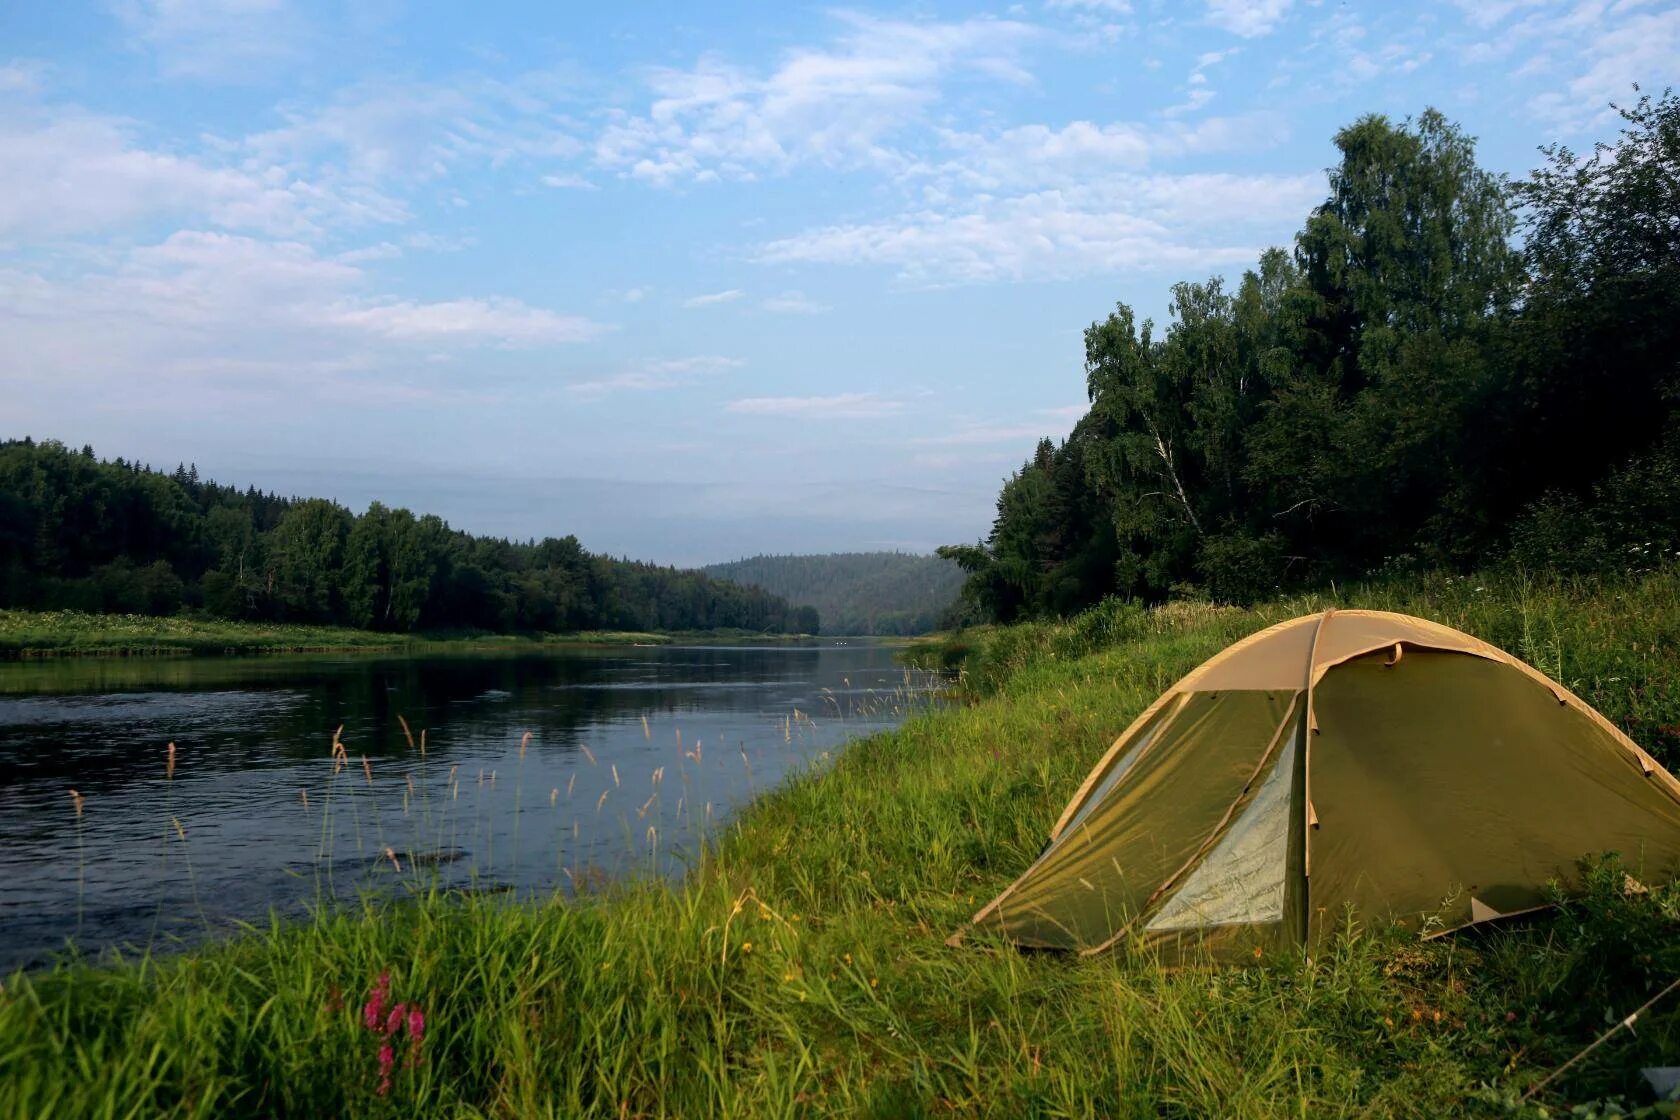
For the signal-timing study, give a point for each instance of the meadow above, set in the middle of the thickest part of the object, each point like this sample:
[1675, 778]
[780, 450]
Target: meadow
[800, 968]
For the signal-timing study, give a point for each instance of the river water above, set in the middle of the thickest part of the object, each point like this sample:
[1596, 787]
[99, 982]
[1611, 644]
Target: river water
[537, 771]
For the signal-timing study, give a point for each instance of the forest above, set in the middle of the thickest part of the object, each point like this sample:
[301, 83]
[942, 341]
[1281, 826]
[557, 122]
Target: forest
[80, 533]
[1447, 370]
[880, 593]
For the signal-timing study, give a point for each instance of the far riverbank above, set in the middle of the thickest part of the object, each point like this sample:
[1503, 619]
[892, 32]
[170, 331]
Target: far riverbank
[36, 634]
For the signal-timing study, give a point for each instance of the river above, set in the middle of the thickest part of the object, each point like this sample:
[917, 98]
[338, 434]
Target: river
[522, 771]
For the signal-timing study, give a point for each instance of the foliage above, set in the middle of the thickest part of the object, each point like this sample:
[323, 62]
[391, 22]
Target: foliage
[885, 593]
[1403, 383]
[77, 533]
[800, 968]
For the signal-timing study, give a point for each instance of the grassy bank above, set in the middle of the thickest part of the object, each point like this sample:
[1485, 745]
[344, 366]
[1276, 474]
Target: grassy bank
[74, 634]
[802, 971]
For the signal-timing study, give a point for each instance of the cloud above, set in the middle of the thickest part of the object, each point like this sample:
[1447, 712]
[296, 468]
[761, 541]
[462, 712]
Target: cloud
[793, 302]
[984, 434]
[240, 311]
[712, 299]
[64, 171]
[569, 182]
[840, 406]
[21, 76]
[667, 373]
[1248, 18]
[1038, 155]
[1156, 223]
[419, 131]
[1112, 7]
[837, 106]
[498, 320]
[1619, 47]
[215, 40]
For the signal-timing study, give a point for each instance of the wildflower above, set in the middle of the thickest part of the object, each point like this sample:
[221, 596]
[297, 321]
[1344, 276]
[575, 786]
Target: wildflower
[1510, 1016]
[416, 1034]
[874, 982]
[847, 957]
[394, 1021]
[1257, 952]
[387, 1059]
[746, 946]
[374, 1010]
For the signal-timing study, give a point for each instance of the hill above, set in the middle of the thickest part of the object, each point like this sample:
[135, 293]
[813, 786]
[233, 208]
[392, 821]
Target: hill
[82, 534]
[887, 593]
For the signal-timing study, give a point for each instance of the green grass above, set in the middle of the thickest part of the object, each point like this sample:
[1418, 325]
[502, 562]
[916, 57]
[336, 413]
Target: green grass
[802, 970]
[75, 634]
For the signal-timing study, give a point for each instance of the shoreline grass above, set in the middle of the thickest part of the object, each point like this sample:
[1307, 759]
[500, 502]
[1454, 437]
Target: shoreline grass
[800, 969]
[47, 634]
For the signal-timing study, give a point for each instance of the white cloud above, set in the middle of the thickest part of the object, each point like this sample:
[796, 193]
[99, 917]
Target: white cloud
[1038, 155]
[237, 310]
[20, 76]
[1112, 7]
[1158, 223]
[505, 322]
[1619, 47]
[666, 373]
[415, 132]
[1248, 18]
[67, 171]
[793, 302]
[839, 106]
[840, 406]
[569, 182]
[712, 299]
[985, 434]
[219, 40]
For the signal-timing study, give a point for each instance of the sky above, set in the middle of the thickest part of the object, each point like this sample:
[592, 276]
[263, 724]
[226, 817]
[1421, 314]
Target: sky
[691, 282]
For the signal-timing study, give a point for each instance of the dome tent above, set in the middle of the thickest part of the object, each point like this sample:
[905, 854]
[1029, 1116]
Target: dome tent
[1345, 759]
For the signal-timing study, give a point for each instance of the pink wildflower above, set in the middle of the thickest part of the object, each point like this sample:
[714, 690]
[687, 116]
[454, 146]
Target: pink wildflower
[416, 1032]
[374, 1010]
[387, 1059]
[394, 1021]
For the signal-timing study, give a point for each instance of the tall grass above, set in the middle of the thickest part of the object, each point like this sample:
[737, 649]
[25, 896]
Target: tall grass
[801, 970]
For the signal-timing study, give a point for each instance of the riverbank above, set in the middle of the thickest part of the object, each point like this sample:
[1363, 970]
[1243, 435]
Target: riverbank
[32, 634]
[801, 970]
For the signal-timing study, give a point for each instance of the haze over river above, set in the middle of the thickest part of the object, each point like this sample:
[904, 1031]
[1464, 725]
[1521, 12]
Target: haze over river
[634, 753]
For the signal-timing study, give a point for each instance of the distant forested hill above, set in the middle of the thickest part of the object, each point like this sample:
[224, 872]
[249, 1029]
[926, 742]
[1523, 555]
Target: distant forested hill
[77, 532]
[856, 592]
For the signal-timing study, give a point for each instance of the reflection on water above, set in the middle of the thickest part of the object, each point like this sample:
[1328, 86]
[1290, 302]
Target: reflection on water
[632, 754]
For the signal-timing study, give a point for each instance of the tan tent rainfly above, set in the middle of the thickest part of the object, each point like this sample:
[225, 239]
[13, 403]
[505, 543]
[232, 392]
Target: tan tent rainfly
[1346, 759]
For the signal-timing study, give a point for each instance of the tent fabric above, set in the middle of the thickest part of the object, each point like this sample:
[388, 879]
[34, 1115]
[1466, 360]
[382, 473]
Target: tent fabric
[1345, 761]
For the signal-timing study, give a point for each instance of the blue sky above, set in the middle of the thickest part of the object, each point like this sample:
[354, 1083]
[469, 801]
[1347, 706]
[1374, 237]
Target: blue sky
[691, 282]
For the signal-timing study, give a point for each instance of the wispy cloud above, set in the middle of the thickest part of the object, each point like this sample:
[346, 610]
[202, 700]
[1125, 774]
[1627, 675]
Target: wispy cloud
[712, 299]
[666, 373]
[793, 302]
[839, 105]
[840, 406]
[64, 170]
[215, 40]
[1178, 223]
[1248, 18]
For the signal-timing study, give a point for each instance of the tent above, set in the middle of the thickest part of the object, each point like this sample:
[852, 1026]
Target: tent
[1348, 759]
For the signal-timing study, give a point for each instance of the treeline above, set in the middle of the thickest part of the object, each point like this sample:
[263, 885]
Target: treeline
[80, 533]
[881, 593]
[1407, 387]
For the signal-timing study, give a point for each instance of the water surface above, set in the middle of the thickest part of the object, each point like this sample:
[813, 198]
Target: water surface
[634, 754]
